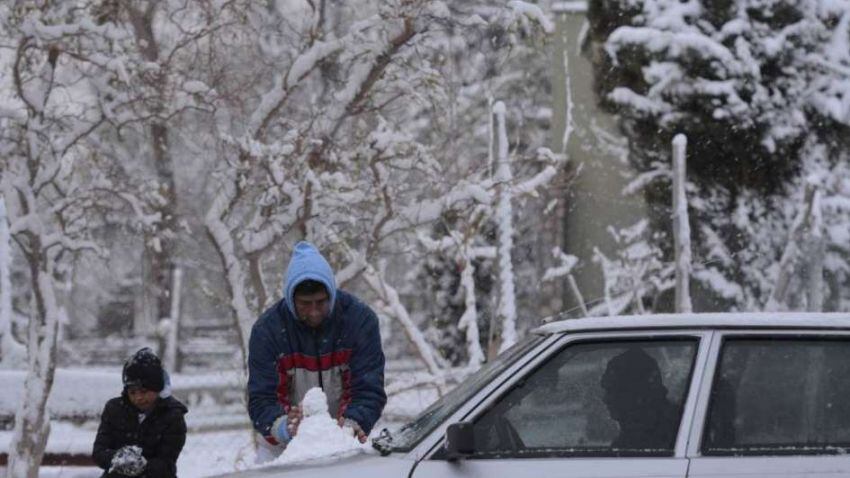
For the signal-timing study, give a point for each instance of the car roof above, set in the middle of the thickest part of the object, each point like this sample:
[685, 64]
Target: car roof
[728, 320]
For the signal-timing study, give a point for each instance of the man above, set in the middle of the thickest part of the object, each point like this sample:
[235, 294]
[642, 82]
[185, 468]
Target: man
[142, 432]
[636, 398]
[316, 336]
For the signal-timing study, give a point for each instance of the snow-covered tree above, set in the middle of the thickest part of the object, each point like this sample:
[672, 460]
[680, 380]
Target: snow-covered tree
[52, 180]
[301, 164]
[336, 148]
[504, 58]
[165, 50]
[756, 86]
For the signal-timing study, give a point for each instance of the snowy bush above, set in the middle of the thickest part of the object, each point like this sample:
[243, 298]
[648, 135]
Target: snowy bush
[756, 86]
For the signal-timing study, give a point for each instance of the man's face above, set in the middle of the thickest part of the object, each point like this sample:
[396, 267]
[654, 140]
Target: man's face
[312, 308]
[142, 398]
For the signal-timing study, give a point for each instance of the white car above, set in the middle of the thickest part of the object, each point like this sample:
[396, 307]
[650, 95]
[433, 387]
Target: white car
[699, 395]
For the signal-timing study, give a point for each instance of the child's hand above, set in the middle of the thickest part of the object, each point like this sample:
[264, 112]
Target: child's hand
[128, 461]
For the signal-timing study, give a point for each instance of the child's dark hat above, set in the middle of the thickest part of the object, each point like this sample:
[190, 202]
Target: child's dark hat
[144, 369]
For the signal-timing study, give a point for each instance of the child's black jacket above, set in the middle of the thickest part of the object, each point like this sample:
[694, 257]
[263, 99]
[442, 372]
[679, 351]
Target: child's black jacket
[161, 435]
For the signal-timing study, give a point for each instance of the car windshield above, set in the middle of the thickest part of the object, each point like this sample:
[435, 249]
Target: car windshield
[412, 433]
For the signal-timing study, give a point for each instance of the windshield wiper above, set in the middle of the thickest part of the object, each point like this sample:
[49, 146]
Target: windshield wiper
[383, 443]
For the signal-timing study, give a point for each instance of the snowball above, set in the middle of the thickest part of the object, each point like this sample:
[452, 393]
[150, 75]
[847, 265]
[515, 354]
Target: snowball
[195, 86]
[128, 461]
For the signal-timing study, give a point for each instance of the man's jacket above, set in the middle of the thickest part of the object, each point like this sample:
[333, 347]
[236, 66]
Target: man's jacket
[161, 435]
[343, 356]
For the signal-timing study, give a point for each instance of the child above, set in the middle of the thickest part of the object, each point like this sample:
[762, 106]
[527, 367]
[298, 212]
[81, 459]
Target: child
[142, 432]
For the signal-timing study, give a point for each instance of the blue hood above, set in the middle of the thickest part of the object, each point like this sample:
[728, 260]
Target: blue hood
[307, 263]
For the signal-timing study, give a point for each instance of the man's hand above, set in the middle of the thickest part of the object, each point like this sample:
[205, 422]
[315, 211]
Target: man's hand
[286, 426]
[358, 431]
[293, 419]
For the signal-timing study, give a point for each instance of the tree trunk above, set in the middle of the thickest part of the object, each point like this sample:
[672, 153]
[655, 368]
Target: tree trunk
[160, 243]
[32, 424]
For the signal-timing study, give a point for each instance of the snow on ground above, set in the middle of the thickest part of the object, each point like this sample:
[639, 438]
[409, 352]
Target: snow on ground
[206, 453]
[81, 391]
[74, 392]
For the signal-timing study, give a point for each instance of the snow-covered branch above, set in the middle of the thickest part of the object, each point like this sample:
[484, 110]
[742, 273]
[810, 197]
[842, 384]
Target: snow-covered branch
[223, 242]
[790, 255]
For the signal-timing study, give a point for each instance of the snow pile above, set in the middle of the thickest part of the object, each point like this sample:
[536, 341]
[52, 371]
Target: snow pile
[319, 436]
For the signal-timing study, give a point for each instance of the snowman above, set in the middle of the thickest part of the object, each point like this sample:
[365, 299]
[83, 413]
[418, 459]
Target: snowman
[319, 435]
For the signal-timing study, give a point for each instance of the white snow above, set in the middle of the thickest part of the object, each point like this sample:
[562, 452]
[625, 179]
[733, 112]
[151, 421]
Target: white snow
[206, 453]
[742, 320]
[681, 227]
[195, 86]
[129, 461]
[574, 6]
[504, 220]
[468, 322]
[319, 437]
[565, 265]
[381, 176]
[13, 352]
[675, 44]
[533, 12]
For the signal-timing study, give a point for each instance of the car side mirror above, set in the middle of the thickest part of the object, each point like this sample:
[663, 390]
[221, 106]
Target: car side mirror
[460, 440]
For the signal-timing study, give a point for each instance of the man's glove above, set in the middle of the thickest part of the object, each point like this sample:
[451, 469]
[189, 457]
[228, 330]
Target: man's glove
[286, 426]
[128, 461]
[280, 430]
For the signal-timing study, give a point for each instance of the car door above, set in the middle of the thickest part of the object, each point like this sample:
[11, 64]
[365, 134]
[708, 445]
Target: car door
[777, 406]
[595, 405]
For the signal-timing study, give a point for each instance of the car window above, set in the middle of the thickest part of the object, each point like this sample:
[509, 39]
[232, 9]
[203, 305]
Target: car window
[593, 399]
[779, 396]
[412, 433]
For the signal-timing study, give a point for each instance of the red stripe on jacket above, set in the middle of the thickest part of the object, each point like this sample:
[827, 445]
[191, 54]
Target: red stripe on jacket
[345, 398]
[313, 364]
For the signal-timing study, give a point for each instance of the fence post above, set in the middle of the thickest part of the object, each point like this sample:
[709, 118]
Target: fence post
[681, 227]
[171, 359]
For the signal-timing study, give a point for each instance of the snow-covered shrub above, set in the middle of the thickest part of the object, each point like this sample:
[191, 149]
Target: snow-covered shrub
[757, 88]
